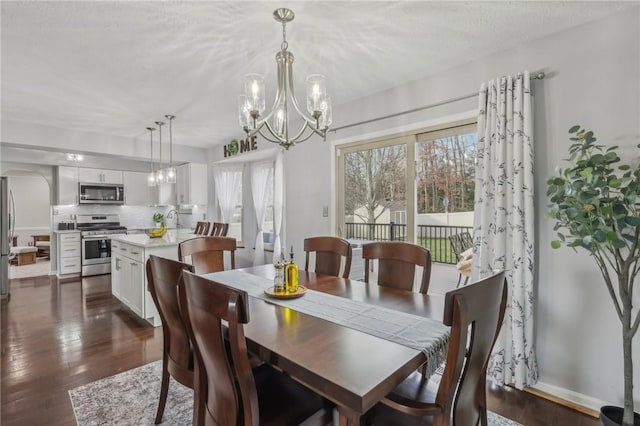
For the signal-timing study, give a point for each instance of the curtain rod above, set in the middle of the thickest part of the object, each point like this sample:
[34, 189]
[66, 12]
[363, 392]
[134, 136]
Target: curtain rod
[535, 76]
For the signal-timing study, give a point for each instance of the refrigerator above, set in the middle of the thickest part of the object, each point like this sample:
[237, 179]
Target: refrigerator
[7, 221]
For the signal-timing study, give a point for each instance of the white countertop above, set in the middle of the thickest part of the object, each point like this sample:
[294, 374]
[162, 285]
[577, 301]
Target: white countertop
[65, 231]
[171, 238]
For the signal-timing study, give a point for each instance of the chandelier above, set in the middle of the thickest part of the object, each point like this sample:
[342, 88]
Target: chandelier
[274, 126]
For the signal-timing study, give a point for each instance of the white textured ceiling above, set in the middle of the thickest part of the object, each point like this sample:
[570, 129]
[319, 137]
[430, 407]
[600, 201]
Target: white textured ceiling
[115, 67]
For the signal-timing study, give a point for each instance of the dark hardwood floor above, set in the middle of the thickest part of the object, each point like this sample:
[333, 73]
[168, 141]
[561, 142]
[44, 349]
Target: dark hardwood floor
[57, 336]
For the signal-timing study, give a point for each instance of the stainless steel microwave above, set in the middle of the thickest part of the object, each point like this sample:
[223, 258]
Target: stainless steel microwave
[101, 193]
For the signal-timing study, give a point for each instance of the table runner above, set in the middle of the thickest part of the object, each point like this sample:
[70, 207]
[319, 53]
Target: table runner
[424, 334]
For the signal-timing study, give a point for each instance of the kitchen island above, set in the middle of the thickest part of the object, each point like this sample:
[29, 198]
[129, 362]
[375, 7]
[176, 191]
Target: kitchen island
[129, 254]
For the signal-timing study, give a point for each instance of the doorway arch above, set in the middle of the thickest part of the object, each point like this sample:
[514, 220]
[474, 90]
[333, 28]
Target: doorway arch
[34, 197]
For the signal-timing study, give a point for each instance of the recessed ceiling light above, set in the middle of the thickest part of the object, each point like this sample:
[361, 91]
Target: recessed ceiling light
[74, 157]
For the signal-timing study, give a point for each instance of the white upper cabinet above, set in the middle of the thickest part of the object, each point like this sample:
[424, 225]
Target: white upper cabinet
[67, 185]
[100, 176]
[192, 184]
[136, 190]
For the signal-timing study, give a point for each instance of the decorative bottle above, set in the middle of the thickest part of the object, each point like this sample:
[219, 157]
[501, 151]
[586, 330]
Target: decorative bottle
[291, 275]
[279, 279]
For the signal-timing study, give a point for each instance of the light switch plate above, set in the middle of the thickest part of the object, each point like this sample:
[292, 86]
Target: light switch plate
[325, 211]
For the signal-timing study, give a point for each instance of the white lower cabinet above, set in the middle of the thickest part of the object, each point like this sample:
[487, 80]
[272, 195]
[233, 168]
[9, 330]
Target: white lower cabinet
[69, 254]
[129, 277]
[115, 272]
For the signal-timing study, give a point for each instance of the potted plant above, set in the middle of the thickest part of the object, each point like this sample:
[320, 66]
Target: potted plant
[596, 205]
[158, 218]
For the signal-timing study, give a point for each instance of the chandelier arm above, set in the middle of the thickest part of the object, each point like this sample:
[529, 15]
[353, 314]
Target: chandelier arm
[312, 122]
[268, 136]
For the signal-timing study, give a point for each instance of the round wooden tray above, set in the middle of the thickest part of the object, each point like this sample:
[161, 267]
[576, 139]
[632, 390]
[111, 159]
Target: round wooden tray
[284, 295]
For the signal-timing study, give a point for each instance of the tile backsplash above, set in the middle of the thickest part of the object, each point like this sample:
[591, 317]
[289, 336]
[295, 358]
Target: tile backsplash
[132, 217]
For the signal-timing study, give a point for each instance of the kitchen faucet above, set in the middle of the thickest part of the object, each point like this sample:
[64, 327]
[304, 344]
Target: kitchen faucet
[170, 216]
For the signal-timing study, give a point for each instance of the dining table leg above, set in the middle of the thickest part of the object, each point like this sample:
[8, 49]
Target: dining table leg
[347, 417]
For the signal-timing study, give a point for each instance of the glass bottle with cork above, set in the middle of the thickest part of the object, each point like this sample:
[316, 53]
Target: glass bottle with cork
[291, 275]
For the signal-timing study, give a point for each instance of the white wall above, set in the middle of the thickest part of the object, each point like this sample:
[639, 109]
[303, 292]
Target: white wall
[593, 80]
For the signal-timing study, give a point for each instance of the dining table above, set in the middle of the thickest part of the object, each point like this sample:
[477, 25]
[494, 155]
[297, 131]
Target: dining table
[349, 367]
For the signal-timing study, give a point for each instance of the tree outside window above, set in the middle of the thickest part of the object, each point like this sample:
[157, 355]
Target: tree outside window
[445, 173]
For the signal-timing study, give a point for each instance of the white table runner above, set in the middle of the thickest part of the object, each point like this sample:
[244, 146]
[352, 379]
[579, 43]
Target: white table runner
[424, 334]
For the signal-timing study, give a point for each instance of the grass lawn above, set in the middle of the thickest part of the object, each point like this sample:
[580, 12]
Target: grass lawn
[440, 249]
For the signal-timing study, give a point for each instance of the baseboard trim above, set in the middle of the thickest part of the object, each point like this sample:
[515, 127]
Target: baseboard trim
[574, 400]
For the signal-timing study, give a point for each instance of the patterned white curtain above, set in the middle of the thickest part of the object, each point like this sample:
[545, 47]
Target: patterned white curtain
[504, 219]
[278, 204]
[259, 180]
[228, 180]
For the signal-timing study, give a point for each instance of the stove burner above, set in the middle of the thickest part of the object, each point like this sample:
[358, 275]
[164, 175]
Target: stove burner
[99, 225]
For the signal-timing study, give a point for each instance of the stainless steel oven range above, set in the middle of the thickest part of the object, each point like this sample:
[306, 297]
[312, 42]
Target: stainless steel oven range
[96, 231]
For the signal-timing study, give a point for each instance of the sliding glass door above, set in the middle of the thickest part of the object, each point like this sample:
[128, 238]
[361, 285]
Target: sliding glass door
[417, 188]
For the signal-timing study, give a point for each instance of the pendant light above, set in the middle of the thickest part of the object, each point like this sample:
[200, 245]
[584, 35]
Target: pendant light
[160, 179]
[171, 171]
[151, 179]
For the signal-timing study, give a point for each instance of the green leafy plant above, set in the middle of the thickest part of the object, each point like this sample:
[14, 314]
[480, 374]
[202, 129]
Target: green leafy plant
[596, 205]
[158, 217]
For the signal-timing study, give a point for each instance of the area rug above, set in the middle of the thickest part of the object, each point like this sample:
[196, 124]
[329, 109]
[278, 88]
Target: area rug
[131, 398]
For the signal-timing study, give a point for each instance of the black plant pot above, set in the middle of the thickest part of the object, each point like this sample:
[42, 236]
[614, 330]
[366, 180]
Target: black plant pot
[611, 415]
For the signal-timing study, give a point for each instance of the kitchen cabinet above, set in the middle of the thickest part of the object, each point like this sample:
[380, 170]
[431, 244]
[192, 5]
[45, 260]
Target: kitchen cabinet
[115, 270]
[136, 190]
[69, 254]
[69, 177]
[191, 184]
[67, 185]
[99, 176]
[129, 255]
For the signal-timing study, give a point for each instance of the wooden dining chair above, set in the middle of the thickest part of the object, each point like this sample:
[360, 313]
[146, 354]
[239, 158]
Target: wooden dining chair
[177, 356]
[219, 229]
[459, 244]
[227, 391]
[329, 252]
[475, 313]
[202, 228]
[207, 253]
[397, 263]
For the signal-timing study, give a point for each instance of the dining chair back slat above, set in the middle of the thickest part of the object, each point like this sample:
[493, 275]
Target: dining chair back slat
[177, 357]
[202, 228]
[397, 263]
[219, 229]
[329, 252]
[207, 253]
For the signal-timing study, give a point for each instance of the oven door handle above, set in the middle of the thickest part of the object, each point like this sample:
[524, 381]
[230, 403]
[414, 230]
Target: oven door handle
[97, 237]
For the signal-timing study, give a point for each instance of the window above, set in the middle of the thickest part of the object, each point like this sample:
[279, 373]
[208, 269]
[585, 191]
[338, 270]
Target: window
[235, 224]
[418, 187]
[267, 225]
[445, 170]
[375, 190]
[229, 193]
